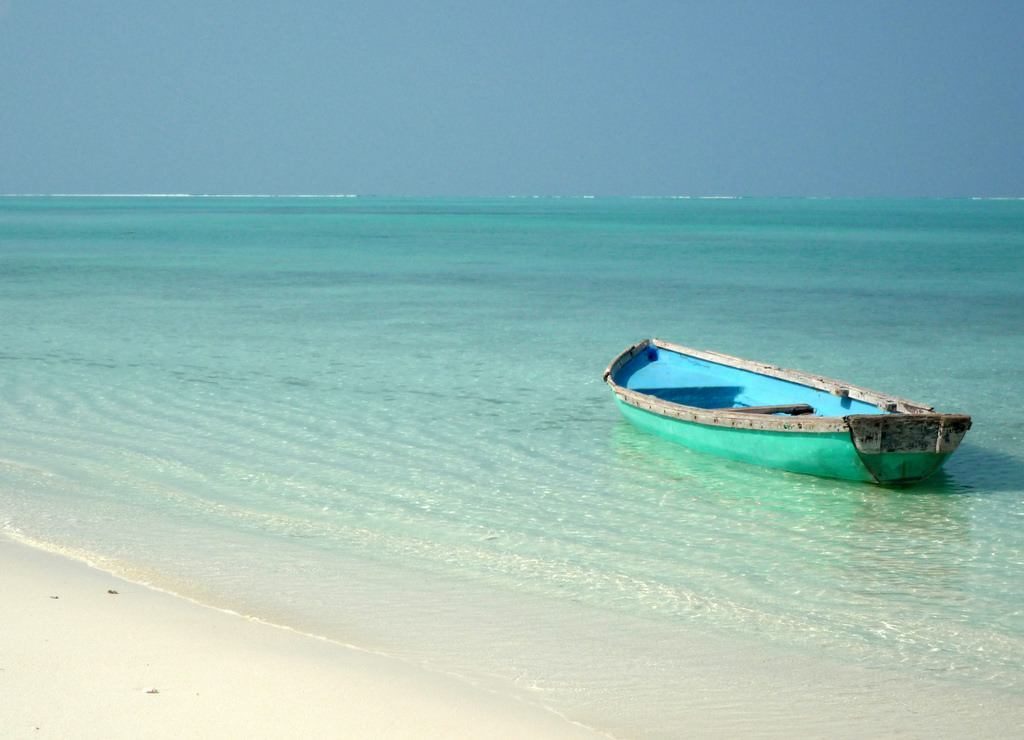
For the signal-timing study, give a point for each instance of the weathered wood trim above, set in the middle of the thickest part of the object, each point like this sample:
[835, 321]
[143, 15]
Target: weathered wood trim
[818, 382]
[875, 434]
[713, 417]
[730, 418]
[622, 359]
[793, 409]
[912, 427]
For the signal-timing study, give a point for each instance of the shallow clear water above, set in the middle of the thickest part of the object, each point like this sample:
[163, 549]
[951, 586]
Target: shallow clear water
[383, 421]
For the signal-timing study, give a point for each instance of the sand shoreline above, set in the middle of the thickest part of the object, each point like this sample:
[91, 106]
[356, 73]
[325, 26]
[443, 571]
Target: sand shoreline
[79, 661]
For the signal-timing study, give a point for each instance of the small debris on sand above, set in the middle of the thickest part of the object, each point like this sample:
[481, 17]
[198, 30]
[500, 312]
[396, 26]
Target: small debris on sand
[111, 591]
[152, 691]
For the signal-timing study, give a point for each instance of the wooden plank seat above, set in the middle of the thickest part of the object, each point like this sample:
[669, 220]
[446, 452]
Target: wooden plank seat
[793, 409]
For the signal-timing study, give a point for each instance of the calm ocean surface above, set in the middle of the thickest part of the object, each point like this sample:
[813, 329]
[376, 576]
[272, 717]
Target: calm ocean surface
[383, 421]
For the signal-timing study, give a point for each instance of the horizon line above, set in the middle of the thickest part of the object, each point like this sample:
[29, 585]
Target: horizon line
[515, 196]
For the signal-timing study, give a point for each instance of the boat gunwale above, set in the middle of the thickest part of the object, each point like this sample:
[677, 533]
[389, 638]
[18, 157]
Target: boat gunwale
[739, 420]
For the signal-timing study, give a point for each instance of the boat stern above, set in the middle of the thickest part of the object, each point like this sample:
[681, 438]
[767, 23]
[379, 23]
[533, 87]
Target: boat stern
[905, 448]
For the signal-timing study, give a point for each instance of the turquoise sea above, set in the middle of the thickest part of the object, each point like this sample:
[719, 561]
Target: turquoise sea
[382, 421]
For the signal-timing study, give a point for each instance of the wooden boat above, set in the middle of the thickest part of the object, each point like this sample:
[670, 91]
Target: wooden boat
[778, 418]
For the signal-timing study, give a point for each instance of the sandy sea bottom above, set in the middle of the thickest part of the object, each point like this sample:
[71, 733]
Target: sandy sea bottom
[383, 422]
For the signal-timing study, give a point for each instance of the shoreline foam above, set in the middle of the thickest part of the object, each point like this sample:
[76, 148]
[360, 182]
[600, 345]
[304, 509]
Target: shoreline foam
[78, 660]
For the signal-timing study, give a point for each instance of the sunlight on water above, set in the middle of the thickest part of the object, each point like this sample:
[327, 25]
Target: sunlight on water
[383, 421]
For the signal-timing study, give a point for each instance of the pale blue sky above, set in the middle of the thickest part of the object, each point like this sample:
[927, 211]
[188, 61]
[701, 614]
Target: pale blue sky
[484, 98]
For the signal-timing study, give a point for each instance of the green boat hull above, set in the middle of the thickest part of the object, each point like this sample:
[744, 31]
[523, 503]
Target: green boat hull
[824, 454]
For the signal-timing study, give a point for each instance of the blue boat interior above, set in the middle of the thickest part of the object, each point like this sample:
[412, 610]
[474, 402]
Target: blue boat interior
[689, 381]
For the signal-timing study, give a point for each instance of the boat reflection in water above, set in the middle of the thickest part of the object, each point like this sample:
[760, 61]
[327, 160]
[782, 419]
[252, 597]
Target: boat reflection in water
[877, 575]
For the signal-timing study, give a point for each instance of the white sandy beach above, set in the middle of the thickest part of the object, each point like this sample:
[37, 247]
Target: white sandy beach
[79, 661]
